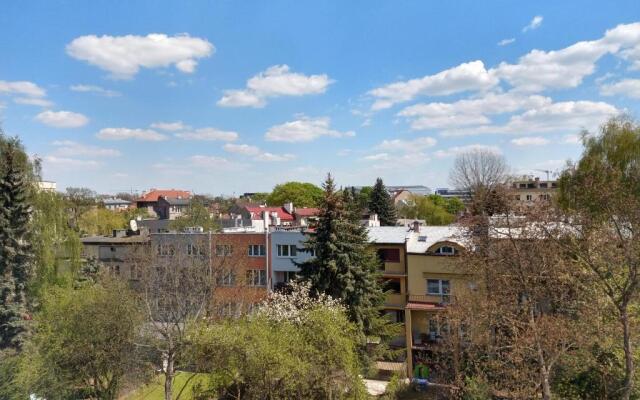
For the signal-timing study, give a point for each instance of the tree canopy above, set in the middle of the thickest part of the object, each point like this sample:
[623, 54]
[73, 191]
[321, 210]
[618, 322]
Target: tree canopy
[301, 194]
[434, 209]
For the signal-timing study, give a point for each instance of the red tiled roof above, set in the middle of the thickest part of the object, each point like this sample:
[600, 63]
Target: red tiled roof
[424, 306]
[307, 212]
[256, 212]
[154, 194]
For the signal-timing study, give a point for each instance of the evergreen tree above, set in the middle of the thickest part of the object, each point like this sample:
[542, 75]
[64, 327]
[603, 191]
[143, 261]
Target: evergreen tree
[16, 259]
[380, 203]
[344, 266]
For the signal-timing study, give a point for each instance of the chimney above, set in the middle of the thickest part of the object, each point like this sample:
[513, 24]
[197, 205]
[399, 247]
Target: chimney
[289, 207]
[416, 226]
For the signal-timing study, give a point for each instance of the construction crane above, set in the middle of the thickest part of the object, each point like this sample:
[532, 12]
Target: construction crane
[546, 171]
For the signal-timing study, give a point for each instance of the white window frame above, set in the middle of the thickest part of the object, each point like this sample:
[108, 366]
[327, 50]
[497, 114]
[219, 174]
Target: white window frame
[256, 277]
[448, 253]
[261, 250]
[224, 250]
[445, 296]
[289, 247]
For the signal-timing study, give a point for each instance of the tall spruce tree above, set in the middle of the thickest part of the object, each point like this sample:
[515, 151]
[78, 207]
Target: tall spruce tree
[380, 203]
[16, 258]
[344, 266]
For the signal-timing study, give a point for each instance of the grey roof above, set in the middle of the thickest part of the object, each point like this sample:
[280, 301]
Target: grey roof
[387, 234]
[114, 240]
[155, 225]
[415, 189]
[114, 201]
[176, 201]
[419, 242]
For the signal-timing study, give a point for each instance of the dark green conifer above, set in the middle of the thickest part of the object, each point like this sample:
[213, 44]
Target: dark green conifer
[380, 203]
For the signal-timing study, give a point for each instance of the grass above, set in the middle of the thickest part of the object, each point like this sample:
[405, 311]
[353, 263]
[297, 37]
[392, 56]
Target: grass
[155, 389]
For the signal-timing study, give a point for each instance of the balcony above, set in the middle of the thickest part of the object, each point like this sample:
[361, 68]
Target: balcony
[429, 298]
[395, 300]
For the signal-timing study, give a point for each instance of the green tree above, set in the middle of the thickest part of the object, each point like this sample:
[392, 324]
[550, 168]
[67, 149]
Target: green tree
[380, 202]
[294, 347]
[301, 194]
[84, 344]
[427, 208]
[80, 200]
[601, 195]
[196, 215]
[344, 266]
[100, 221]
[16, 252]
[56, 245]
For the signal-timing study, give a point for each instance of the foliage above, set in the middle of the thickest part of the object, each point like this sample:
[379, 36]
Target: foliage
[257, 357]
[56, 245]
[301, 194]
[16, 252]
[84, 342]
[196, 215]
[80, 200]
[363, 196]
[345, 267]
[100, 221]
[294, 304]
[380, 202]
[433, 209]
[601, 195]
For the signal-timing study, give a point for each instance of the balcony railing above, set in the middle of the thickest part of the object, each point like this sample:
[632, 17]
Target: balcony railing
[429, 298]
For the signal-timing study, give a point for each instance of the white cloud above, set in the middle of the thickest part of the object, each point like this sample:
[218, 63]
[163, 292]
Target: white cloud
[566, 68]
[128, 133]
[471, 76]
[123, 56]
[530, 141]
[22, 88]
[213, 163]
[304, 129]
[505, 42]
[69, 148]
[572, 139]
[625, 87]
[468, 112]
[209, 134]
[243, 149]
[407, 146]
[270, 157]
[276, 81]
[378, 157]
[452, 151]
[67, 162]
[95, 89]
[170, 126]
[62, 119]
[534, 24]
[254, 151]
[553, 117]
[33, 101]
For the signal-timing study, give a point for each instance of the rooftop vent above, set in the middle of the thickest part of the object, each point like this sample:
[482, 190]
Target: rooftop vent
[422, 238]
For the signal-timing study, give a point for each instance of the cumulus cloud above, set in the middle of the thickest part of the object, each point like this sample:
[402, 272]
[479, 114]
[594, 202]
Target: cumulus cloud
[530, 141]
[25, 92]
[95, 89]
[214, 163]
[128, 133]
[254, 151]
[534, 24]
[208, 134]
[505, 42]
[170, 126]
[62, 119]
[407, 146]
[270, 157]
[455, 150]
[572, 139]
[276, 81]
[69, 148]
[67, 162]
[625, 87]
[465, 77]
[304, 129]
[123, 56]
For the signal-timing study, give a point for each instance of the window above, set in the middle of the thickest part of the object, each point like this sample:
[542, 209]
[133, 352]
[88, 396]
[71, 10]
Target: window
[445, 251]
[256, 250]
[287, 250]
[227, 278]
[116, 270]
[257, 277]
[422, 238]
[224, 250]
[392, 286]
[389, 255]
[529, 197]
[289, 276]
[165, 250]
[136, 273]
[439, 287]
[194, 250]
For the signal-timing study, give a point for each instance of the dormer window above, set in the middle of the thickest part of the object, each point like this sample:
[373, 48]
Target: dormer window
[445, 251]
[422, 238]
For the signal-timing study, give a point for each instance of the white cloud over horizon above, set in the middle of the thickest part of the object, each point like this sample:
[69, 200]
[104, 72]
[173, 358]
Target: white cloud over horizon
[535, 23]
[128, 133]
[62, 119]
[304, 129]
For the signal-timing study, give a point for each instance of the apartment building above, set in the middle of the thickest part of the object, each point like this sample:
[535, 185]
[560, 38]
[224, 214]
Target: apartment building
[116, 204]
[118, 253]
[527, 191]
[433, 281]
[149, 200]
[286, 252]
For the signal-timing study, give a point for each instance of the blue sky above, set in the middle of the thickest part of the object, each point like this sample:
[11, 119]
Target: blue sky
[228, 97]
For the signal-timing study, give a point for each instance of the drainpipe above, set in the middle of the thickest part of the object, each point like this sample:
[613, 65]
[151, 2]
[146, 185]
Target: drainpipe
[266, 250]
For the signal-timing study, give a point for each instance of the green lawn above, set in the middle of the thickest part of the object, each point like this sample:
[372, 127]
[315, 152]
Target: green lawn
[155, 389]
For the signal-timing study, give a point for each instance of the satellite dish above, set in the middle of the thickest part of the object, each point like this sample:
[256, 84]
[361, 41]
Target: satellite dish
[133, 225]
